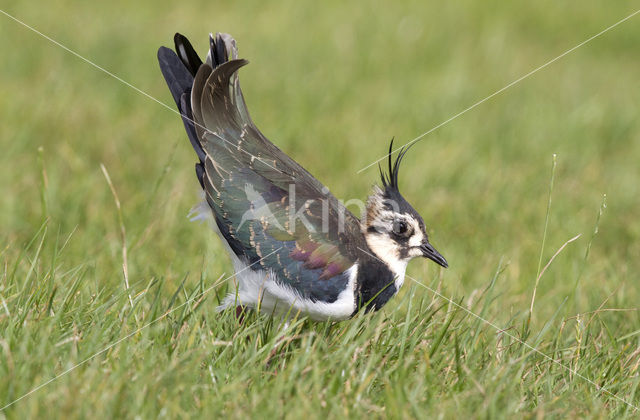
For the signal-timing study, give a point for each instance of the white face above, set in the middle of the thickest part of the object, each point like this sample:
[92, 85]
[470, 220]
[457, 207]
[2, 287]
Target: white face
[394, 237]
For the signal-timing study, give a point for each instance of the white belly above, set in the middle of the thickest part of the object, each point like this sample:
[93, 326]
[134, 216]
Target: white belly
[259, 290]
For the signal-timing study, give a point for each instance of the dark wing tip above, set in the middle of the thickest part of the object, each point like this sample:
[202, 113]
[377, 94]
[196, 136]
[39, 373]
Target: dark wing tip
[218, 50]
[163, 51]
[176, 75]
[187, 54]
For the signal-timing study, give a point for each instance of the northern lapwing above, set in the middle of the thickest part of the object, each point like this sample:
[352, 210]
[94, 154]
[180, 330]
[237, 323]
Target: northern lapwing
[294, 246]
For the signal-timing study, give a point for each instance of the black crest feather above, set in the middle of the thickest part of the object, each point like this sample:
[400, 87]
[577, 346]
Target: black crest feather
[390, 179]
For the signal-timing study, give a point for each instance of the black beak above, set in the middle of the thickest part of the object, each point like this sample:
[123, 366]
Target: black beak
[430, 252]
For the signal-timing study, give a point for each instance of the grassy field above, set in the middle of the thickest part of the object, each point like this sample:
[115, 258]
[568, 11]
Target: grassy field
[330, 84]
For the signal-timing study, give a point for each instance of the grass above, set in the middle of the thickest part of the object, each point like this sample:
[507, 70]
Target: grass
[96, 182]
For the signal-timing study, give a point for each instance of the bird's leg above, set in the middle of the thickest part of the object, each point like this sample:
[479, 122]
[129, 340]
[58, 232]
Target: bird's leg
[240, 313]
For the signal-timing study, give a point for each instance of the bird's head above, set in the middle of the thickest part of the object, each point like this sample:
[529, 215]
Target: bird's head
[393, 229]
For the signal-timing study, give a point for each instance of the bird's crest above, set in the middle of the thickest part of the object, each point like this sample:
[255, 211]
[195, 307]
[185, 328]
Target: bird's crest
[390, 179]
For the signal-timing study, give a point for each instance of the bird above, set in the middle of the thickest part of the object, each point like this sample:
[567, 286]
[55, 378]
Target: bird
[294, 246]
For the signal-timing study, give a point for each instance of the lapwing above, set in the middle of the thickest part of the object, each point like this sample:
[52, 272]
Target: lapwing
[294, 246]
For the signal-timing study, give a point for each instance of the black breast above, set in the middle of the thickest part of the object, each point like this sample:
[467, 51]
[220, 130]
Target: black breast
[375, 284]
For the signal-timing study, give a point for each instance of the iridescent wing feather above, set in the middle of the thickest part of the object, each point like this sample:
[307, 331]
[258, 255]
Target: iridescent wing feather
[309, 241]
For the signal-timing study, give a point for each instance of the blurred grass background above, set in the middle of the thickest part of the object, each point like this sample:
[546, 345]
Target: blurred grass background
[330, 84]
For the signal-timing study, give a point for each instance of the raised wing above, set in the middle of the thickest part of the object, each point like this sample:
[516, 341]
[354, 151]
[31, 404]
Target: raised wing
[269, 209]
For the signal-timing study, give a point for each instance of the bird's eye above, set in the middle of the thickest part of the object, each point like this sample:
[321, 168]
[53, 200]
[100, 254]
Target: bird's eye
[400, 227]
